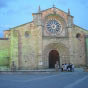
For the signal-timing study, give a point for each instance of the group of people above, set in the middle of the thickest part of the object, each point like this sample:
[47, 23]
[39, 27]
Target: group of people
[67, 67]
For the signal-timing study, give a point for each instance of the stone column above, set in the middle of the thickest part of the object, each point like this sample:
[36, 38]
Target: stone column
[86, 49]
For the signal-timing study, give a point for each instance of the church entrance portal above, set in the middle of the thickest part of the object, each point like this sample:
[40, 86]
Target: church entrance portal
[53, 57]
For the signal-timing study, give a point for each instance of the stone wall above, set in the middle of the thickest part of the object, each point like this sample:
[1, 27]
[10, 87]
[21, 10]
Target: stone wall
[77, 44]
[14, 48]
[4, 54]
[27, 46]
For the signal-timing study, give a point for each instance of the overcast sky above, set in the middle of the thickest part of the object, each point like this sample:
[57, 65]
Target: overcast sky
[17, 12]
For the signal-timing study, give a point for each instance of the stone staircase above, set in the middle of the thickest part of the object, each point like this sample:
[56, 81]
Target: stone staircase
[40, 71]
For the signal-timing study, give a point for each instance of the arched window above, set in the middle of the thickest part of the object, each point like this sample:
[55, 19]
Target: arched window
[78, 35]
[27, 34]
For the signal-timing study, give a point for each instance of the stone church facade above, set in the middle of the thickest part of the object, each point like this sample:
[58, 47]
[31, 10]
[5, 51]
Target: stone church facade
[51, 36]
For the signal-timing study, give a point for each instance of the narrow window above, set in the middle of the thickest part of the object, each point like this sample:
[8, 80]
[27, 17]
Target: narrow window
[26, 34]
[78, 35]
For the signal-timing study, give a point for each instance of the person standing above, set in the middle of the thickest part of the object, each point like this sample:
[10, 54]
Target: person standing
[57, 66]
[65, 67]
[72, 67]
[62, 67]
[69, 67]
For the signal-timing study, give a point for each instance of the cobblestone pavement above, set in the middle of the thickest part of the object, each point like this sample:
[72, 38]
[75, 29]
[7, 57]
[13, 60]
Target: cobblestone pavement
[56, 80]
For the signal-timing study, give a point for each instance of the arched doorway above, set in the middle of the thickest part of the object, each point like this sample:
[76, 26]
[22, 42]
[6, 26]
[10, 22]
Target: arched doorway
[53, 57]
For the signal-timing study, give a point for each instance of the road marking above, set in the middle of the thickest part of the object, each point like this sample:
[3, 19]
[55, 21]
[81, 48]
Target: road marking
[76, 82]
[40, 78]
[30, 80]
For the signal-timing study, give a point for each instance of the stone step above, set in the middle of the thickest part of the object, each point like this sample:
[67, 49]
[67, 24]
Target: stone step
[47, 71]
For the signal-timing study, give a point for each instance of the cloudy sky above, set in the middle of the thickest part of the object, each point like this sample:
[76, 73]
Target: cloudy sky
[16, 12]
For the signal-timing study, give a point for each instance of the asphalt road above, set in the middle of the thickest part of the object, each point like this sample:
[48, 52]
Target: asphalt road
[57, 80]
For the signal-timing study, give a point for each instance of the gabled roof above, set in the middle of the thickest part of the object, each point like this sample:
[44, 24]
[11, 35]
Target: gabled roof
[51, 8]
[18, 26]
[3, 38]
[37, 13]
[80, 28]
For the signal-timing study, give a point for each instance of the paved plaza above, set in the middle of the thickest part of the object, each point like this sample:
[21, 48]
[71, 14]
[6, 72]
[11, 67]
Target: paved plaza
[49, 80]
